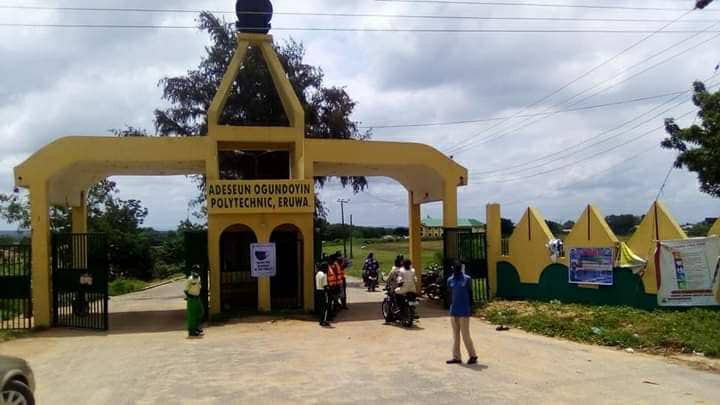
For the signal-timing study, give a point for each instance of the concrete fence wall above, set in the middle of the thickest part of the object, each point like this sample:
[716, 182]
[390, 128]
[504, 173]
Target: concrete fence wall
[527, 271]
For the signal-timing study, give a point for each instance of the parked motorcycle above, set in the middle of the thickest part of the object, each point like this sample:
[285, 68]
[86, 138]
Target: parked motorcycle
[400, 308]
[433, 282]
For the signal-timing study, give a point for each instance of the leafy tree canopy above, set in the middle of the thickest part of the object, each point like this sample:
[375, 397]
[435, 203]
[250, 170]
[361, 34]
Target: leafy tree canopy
[507, 226]
[555, 227]
[623, 225]
[253, 100]
[699, 144]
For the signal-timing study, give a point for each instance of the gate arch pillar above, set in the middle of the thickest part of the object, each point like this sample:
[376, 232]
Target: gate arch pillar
[415, 223]
[40, 222]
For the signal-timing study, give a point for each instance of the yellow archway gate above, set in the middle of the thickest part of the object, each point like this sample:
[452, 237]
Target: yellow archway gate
[61, 173]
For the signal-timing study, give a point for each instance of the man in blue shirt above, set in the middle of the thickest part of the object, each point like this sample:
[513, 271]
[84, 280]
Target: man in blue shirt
[460, 289]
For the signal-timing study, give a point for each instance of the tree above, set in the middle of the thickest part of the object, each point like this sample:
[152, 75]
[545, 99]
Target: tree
[507, 227]
[129, 248]
[623, 225]
[569, 225]
[15, 209]
[254, 100]
[555, 227]
[699, 145]
[6, 240]
[699, 230]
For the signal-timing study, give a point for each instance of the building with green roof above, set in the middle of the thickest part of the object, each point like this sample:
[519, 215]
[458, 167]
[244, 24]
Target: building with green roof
[432, 228]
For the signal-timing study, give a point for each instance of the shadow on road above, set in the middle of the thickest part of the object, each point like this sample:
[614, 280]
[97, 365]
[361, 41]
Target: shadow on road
[161, 310]
[129, 323]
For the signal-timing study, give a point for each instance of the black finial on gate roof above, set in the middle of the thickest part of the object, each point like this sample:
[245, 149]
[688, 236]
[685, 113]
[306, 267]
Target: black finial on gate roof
[254, 16]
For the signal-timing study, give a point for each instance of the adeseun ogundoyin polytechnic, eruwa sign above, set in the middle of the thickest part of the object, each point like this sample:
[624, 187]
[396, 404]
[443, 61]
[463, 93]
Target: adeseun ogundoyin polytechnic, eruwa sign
[256, 197]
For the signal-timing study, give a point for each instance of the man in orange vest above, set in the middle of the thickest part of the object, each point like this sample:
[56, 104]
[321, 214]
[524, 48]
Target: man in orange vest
[333, 282]
[341, 263]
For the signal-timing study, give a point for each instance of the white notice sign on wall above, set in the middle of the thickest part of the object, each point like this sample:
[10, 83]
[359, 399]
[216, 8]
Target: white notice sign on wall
[263, 260]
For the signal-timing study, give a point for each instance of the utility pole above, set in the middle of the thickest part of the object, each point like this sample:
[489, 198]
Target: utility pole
[342, 202]
[351, 236]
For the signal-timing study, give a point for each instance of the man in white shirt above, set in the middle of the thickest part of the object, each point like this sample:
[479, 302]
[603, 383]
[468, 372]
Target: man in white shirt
[322, 295]
[406, 279]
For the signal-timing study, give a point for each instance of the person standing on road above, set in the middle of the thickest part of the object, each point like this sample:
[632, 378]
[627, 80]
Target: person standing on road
[461, 307]
[333, 286]
[340, 265]
[322, 296]
[195, 310]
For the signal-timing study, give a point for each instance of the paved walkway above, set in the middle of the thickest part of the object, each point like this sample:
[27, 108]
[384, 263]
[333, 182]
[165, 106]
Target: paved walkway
[146, 359]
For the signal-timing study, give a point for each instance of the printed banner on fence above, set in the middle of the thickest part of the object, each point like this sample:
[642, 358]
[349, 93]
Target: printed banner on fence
[263, 260]
[591, 266]
[254, 197]
[687, 271]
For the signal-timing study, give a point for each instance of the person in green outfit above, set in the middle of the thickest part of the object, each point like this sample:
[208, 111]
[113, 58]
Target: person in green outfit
[195, 310]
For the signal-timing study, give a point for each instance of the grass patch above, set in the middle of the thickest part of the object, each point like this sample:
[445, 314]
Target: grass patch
[122, 286]
[385, 253]
[7, 335]
[659, 331]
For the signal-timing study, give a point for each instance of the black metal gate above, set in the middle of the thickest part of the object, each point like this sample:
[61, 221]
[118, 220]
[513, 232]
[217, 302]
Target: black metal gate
[80, 281]
[15, 291]
[470, 249]
[196, 253]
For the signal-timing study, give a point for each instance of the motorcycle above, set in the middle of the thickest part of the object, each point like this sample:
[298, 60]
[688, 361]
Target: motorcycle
[400, 308]
[372, 281]
[432, 282]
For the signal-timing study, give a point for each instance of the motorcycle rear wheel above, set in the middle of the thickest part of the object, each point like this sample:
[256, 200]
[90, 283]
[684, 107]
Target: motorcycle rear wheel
[408, 317]
[387, 312]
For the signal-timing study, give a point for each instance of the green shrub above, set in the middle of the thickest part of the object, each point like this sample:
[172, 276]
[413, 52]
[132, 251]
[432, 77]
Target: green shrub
[121, 286]
[164, 271]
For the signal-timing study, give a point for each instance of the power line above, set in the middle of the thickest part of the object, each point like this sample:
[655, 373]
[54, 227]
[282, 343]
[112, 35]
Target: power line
[466, 142]
[600, 135]
[590, 107]
[383, 200]
[543, 5]
[664, 183]
[622, 162]
[516, 179]
[650, 67]
[339, 15]
[510, 170]
[475, 142]
[602, 141]
[376, 30]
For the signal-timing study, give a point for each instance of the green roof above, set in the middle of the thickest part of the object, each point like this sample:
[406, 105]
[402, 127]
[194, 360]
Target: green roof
[462, 222]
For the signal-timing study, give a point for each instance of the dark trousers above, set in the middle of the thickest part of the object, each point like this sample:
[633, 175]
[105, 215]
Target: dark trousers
[322, 301]
[343, 295]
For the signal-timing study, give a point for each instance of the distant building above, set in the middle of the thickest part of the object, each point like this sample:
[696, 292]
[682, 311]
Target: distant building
[432, 228]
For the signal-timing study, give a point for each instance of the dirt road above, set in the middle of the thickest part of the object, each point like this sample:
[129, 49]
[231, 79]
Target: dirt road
[146, 359]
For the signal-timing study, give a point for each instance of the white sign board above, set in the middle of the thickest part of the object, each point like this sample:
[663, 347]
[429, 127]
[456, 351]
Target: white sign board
[263, 260]
[687, 270]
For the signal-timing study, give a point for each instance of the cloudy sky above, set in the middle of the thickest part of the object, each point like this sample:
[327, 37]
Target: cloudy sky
[74, 81]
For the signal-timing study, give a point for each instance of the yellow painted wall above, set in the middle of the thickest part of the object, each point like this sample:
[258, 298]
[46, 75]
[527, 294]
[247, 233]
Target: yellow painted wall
[590, 230]
[262, 225]
[528, 251]
[530, 256]
[715, 230]
[643, 242]
[493, 218]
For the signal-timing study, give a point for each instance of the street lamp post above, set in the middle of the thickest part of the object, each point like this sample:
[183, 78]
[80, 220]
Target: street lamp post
[342, 219]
